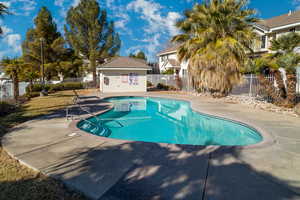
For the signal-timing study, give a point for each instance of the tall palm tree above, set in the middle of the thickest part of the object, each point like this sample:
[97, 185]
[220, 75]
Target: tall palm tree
[216, 36]
[284, 58]
[13, 68]
[3, 11]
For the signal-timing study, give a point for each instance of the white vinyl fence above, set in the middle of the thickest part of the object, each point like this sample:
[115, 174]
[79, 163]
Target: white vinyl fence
[7, 90]
[170, 80]
[298, 82]
[249, 87]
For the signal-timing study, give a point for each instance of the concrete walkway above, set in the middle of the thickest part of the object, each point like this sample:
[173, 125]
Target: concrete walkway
[114, 169]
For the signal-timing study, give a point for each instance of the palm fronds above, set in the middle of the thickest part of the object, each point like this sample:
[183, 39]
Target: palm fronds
[216, 36]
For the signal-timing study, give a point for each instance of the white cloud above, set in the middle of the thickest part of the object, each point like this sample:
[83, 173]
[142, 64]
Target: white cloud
[120, 15]
[24, 7]
[75, 3]
[109, 3]
[296, 3]
[6, 30]
[150, 47]
[20, 7]
[64, 5]
[122, 20]
[158, 24]
[13, 41]
[59, 3]
[6, 3]
[153, 14]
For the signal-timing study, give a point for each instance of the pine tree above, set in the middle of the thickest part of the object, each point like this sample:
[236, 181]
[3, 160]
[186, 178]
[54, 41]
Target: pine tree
[139, 55]
[90, 34]
[44, 35]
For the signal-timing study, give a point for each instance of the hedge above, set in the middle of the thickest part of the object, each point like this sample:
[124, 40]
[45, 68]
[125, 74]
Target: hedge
[6, 108]
[161, 86]
[36, 88]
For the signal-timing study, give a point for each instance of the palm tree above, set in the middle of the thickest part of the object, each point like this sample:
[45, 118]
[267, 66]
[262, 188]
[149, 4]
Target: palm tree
[3, 11]
[12, 67]
[30, 73]
[283, 58]
[216, 36]
[289, 62]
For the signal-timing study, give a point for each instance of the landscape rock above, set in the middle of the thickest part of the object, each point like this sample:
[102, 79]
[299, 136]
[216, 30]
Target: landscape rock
[297, 109]
[258, 103]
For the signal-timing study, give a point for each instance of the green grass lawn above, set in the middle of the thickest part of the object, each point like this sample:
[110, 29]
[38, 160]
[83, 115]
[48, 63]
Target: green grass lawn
[18, 182]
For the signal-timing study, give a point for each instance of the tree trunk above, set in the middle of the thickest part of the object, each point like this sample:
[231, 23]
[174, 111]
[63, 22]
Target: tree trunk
[93, 68]
[30, 85]
[271, 90]
[280, 83]
[16, 87]
[291, 90]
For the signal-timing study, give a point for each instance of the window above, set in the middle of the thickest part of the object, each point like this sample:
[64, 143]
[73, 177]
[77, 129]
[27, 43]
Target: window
[293, 30]
[263, 42]
[164, 58]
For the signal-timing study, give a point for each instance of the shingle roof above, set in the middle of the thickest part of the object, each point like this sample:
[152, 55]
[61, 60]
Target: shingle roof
[125, 62]
[282, 20]
[171, 49]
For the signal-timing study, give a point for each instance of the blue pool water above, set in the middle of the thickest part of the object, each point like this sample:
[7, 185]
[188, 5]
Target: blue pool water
[166, 121]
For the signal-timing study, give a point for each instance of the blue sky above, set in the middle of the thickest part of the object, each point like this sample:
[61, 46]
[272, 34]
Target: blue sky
[145, 25]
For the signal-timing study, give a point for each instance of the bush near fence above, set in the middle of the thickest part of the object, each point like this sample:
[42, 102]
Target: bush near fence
[6, 108]
[36, 88]
[161, 86]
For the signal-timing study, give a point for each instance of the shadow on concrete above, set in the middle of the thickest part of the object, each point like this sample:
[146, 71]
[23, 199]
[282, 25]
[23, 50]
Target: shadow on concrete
[90, 103]
[144, 171]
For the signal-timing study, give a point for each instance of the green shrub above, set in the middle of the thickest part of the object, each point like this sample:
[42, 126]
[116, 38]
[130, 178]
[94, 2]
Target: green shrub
[37, 87]
[32, 94]
[172, 88]
[73, 86]
[6, 108]
[162, 86]
[168, 72]
[55, 87]
[149, 84]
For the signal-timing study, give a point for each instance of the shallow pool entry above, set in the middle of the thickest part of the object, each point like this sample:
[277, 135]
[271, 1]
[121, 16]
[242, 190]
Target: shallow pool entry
[162, 120]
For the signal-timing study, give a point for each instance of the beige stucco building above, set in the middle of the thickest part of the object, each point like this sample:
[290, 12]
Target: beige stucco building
[273, 28]
[123, 74]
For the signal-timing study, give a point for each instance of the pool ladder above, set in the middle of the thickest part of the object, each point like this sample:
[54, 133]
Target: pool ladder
[82, 109]
[79, 117]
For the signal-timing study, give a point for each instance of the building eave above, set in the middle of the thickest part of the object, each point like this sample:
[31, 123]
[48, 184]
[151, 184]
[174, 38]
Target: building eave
[166, 53]
[123, 68]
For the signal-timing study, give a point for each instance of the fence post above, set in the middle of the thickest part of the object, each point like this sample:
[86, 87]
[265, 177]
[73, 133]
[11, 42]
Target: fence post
[1, 92]
[251, 81]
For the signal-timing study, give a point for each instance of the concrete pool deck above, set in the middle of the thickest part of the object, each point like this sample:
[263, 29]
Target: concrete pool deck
[114, 169]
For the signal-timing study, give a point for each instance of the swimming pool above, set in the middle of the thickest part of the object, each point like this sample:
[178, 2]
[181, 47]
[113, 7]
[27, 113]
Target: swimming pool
[170, 121]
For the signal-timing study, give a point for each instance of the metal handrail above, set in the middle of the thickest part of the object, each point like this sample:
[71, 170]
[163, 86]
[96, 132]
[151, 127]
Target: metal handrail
[88, 112]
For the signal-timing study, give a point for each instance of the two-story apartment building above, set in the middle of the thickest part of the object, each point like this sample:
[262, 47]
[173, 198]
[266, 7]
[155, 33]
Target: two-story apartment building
[273, 28]
[168, 60]
[266, 30]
